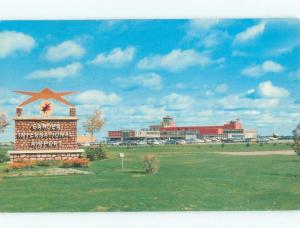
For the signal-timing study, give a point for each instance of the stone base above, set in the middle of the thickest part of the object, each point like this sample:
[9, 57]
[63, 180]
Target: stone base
[38, 155]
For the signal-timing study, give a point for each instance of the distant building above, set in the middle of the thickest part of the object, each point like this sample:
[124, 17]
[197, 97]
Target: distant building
[250, 134]
[133, 135]
[168, 130]
[167, 121]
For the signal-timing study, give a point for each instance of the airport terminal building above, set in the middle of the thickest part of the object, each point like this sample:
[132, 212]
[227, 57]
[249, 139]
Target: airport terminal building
[167, 129]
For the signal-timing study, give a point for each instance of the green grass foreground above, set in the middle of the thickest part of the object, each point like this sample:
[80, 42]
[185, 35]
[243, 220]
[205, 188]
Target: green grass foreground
[190, 178]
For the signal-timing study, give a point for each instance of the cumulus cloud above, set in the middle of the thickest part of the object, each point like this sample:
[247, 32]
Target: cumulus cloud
[176, 101]
[57, 73]
[97, 97]
[250, 33]
[64, 50]
[176, 60]
[259, 69]
[207, 32]
[241, 102]
[265, 96]
[268, 90]
[11, 42]
[149, 80]
[115, 58]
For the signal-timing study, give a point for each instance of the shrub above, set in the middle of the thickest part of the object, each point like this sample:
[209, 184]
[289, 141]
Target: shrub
[3, 156]
[19, 164]
[247, 144]
[96, 152]
[151, 163]
[46, 163]
[222, 145]
[78, 162]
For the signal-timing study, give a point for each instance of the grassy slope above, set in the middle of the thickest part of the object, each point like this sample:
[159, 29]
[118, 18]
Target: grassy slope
[190, 178]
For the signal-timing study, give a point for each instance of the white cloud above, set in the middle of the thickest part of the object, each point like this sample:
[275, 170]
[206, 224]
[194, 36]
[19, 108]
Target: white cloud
[222, 88]
[116, 58]
[268, 90]
[11, 42]
[149, 80]
[266, 67]
[270, 66]
[250, 33]
[286, 47]
[240, 102]
[175, 60]
[206, 31]
[254, 71]
[197, 25]
[177, 102]
[57, 73]
[97, 97]
[64, 50]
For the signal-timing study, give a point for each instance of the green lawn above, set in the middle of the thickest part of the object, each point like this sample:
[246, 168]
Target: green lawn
[190, 178]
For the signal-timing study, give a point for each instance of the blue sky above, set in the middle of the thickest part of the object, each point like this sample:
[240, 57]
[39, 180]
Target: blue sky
[201, 72]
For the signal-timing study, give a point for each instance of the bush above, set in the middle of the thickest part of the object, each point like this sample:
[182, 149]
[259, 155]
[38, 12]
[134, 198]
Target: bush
[3, 156]
[46, 163]
[78, 162]
[222, 145]
[96, 152]
[151, 163]
[19, 164]
[247, 144]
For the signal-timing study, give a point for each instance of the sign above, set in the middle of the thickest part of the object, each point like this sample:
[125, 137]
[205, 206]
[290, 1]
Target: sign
[122, 156]
[42, 133]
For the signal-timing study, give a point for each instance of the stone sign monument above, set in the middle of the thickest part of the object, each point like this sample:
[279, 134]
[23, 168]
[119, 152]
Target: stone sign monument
[45, 137]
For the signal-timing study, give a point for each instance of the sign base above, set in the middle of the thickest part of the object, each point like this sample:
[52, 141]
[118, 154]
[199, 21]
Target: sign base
[38, 155]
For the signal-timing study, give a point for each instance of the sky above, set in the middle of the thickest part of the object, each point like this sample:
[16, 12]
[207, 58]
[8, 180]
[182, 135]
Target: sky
[201, 72]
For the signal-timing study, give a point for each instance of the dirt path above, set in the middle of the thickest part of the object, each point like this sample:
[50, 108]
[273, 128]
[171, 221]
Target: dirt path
[259, 153]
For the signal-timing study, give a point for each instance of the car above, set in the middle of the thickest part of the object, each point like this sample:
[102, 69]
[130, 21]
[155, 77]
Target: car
[155, 142]
[182, 142]
[133, 143]
[142, 143]
[172, 141]
[113, 143]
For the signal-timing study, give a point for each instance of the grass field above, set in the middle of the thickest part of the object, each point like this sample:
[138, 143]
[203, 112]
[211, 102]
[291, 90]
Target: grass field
[190, 178]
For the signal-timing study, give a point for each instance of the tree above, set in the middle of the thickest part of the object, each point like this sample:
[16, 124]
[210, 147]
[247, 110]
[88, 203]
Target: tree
[3, 122]
[94, 122]
[296, 133]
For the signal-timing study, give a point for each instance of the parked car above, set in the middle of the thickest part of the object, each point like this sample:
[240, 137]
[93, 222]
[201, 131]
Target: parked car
[182, 142]
[141, 143]
[172, 141]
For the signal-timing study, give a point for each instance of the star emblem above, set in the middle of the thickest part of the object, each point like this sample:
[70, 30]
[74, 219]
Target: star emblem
[45, 94]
